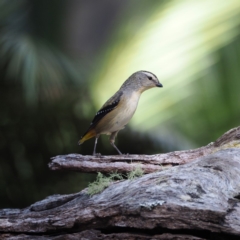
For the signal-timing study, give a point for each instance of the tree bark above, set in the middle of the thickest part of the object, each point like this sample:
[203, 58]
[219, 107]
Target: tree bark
[148, 163]
[197, 200]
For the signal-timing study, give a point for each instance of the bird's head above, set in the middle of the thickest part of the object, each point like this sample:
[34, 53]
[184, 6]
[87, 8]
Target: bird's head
[143, 80]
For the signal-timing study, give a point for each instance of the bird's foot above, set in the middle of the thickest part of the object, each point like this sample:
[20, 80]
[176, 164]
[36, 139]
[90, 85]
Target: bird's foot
[97, 154]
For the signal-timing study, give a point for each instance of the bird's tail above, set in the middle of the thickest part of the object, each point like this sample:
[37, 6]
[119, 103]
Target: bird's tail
[89, 134]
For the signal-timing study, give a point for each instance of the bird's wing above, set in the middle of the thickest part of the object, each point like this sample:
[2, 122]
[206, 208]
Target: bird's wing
[111, 104]
[107, 107]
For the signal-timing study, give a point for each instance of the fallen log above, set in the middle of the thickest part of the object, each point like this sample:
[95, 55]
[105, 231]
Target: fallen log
[148, 163]
[196, 200]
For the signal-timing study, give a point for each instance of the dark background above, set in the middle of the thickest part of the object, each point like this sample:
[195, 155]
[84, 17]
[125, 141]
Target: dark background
[61, 60]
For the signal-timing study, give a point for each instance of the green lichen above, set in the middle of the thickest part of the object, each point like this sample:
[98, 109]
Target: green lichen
[232, 144]
[103, 181]
[137, 172]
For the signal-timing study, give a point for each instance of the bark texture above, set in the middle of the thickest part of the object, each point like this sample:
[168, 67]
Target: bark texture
[149, 163]
[197, 200]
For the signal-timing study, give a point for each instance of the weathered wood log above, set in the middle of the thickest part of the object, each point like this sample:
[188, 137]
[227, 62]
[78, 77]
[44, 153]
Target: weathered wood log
[148, 163]
[197, 200]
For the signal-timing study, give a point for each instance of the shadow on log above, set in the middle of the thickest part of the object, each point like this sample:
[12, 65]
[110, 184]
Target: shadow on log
[197, 200]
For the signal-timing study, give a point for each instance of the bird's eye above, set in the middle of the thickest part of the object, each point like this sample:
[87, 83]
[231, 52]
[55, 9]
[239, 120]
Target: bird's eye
[150, 78]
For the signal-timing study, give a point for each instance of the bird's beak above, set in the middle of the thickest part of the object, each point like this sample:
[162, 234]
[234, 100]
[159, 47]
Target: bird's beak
[159, 84]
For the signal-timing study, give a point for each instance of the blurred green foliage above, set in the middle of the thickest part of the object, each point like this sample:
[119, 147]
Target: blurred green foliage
[44, 102]
[56, 71]
[36, 120]
[193, 48]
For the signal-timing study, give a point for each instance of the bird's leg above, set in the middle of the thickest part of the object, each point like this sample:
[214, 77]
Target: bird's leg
[112, 140]
[95, 145]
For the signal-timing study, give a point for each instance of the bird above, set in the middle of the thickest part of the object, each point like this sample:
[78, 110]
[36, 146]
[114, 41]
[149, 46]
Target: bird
[119, 109]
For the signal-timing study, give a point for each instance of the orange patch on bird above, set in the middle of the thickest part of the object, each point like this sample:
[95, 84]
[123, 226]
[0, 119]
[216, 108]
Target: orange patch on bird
[89, 134]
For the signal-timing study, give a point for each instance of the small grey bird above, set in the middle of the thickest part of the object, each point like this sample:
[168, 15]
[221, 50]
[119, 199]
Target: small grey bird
[119, 109]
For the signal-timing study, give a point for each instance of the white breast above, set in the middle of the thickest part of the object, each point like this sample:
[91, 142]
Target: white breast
[125, 112]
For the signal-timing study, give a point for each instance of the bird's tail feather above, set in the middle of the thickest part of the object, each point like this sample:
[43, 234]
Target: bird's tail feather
[89, 134]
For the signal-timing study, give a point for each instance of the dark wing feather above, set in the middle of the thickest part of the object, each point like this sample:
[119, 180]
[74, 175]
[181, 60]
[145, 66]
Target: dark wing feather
[106, 108]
